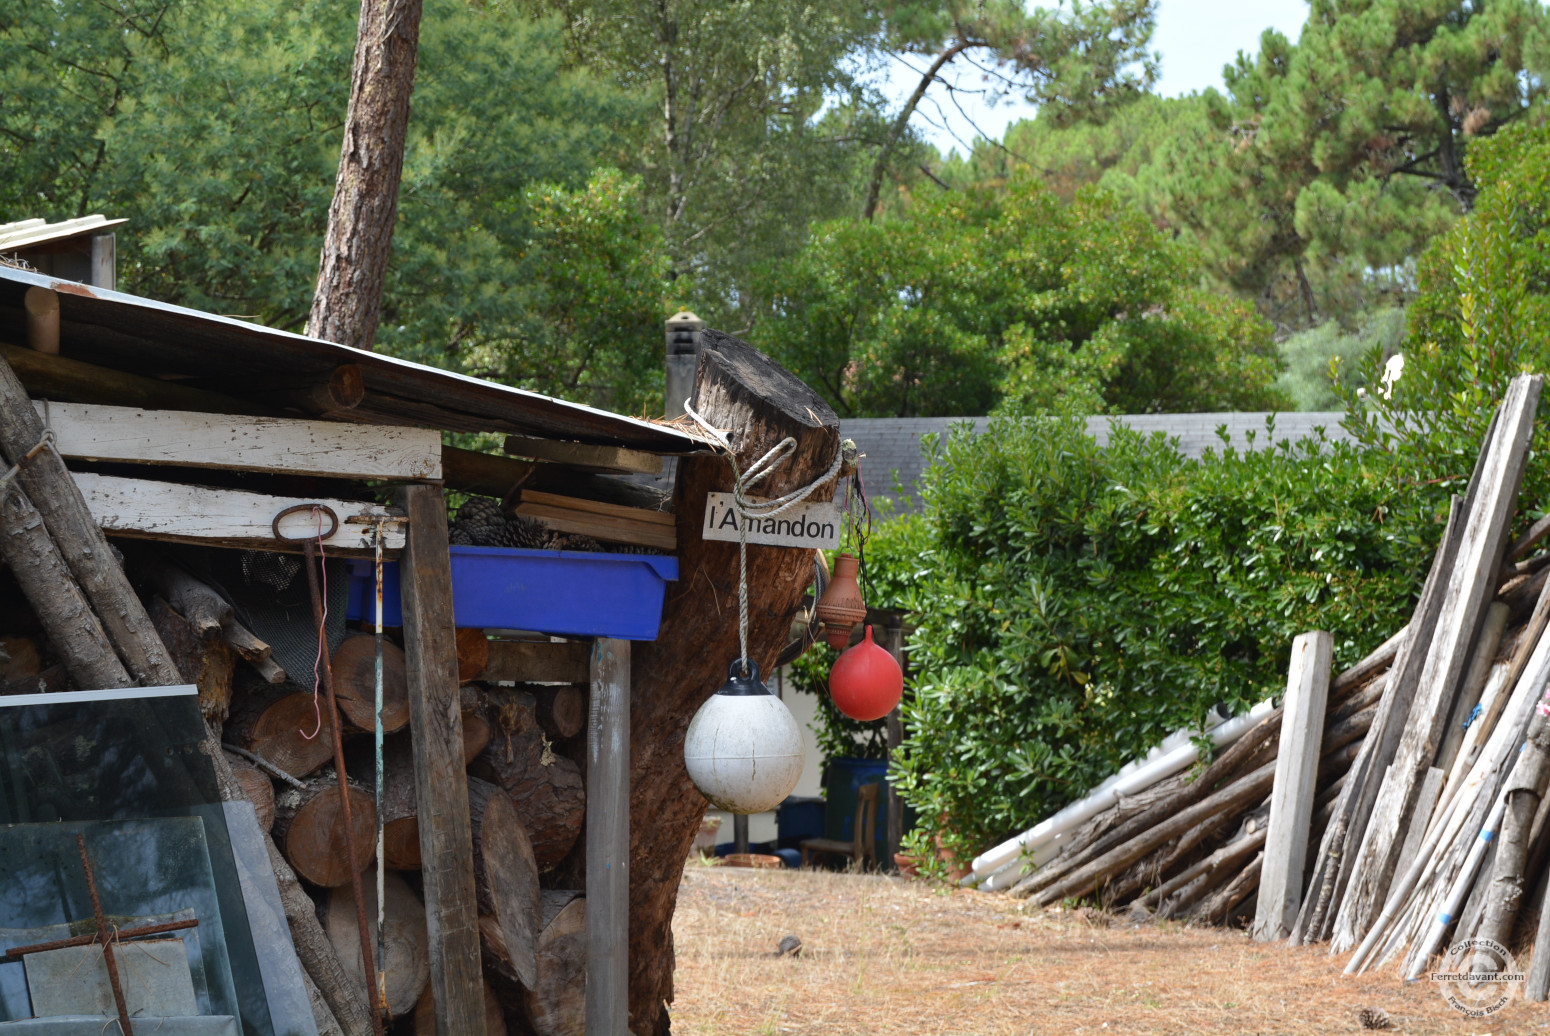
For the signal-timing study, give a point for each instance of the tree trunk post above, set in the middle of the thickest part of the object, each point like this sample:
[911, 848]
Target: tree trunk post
[743, 392]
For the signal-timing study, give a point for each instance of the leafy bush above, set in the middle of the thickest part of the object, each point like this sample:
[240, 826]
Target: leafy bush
[1075, 604]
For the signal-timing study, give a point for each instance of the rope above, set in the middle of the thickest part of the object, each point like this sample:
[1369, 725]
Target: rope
[46, 442]
[747, 507]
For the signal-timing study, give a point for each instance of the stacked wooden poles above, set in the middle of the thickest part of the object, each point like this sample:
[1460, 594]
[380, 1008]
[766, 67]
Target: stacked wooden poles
[1471, 583]
[92, 616]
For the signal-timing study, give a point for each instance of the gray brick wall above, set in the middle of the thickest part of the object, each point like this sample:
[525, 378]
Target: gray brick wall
[894, 460]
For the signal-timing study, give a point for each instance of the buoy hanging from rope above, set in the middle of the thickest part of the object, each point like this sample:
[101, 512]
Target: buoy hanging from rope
[744, 748]
[866, 681]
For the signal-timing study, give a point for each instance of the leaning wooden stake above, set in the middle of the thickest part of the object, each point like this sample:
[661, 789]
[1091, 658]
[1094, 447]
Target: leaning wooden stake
[1524, 789]
[1291, 804]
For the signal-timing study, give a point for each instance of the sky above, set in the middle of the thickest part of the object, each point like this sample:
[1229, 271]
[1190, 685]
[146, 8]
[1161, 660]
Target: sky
[1195, 38]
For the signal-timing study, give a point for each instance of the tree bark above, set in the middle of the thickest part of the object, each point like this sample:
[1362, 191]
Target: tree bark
[56, 599]
[356, 246]
[78, 538]
[742, 390]
[546, 788]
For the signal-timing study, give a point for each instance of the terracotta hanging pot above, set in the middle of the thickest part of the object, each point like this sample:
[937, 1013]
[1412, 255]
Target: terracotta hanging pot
[841, 606]
[866, 682]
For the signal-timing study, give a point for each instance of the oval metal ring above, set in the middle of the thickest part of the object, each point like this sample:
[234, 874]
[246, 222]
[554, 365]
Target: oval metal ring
[332, 517]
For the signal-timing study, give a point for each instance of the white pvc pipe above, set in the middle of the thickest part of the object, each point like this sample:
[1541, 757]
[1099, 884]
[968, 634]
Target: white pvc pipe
[1158, 764]
[1460, 889]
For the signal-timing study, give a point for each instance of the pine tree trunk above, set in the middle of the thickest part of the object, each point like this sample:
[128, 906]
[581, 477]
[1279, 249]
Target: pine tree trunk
[348, 301]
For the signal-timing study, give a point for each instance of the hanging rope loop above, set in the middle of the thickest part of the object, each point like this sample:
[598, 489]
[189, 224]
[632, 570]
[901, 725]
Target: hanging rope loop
[747, 507]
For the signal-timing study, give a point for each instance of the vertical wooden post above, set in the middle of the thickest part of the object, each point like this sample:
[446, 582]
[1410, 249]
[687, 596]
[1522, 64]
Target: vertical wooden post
[608, 840]
[893, 640]
[440, 785]
[1296, 784]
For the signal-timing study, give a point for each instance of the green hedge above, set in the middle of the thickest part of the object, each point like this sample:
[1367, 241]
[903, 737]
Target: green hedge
[1075, 604]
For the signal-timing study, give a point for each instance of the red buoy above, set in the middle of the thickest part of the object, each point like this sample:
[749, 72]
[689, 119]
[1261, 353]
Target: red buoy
[866, 682]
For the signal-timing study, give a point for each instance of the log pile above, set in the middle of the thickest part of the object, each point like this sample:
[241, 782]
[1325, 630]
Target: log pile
[95, 617]
[1423, 783]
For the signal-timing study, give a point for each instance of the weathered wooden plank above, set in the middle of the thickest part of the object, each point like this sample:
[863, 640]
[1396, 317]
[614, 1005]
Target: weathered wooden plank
[441, 789]
[537, 661]
[599, 507]
[295, 446]
[608, 838]
[1471, 585]
[232, 517]
[1425, 803]
[585, 456]
[484, 474]
[1291, 801]
[59, 377]
[603, 527]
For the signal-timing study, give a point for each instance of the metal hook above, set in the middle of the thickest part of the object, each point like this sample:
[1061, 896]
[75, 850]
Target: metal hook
[309, 508]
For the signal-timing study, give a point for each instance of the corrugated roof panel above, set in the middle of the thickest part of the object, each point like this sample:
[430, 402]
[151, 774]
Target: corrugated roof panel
[157, 339]
[28, 232]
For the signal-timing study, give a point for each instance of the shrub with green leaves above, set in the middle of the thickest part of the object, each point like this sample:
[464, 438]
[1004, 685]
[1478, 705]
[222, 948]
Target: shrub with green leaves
[1076, 603]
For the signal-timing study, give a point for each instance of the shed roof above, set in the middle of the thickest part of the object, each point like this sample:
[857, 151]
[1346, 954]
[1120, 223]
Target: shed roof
[142, 336]
[28, 233]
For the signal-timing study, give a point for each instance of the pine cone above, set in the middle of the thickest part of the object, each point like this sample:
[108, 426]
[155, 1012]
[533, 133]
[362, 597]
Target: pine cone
[574, 541]
[1374, 1018]
[479, 509]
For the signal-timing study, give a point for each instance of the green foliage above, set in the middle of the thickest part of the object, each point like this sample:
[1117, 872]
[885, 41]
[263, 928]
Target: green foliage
[1077, 604]
[1011, 298]
[1483, 316]
[514, 256]
[1323, 364]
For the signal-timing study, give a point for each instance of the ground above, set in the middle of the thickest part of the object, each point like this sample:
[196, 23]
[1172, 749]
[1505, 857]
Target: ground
[883, 956]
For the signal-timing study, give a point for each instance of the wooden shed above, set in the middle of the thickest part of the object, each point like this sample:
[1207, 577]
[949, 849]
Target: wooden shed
[230, 464]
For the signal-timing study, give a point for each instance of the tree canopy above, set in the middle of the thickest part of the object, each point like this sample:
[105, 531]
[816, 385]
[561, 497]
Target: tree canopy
[980, 299]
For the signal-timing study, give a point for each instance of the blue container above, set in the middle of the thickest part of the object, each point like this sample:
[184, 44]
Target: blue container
[797, 818]
[566, 593]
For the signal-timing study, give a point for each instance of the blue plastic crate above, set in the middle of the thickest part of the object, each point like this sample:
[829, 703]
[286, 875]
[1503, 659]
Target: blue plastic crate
[566, 593]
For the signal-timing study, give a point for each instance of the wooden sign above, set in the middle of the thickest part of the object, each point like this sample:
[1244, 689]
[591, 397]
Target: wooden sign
[810, 525]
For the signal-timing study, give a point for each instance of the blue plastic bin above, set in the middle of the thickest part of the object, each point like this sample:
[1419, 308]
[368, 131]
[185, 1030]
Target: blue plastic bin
[566, 593]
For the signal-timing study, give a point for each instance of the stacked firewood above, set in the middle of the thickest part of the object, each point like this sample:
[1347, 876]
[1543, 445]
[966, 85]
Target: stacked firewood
[94, 617]
[1430, 821]
[522, 745]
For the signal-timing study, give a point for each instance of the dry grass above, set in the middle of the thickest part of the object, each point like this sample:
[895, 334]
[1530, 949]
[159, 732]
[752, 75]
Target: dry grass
[885, 956]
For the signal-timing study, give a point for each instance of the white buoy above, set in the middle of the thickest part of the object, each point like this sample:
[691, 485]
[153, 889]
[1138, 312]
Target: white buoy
[744, 748]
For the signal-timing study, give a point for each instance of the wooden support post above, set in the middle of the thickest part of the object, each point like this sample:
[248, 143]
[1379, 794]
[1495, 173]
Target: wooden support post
[608, 840]
[441, 789]
[1291, 803]
[893, 640]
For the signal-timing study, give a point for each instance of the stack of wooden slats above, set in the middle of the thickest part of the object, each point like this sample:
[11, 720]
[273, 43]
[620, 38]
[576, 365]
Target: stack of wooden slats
[1422, 772]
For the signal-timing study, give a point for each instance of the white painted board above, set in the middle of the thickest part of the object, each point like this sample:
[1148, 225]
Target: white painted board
[810, 525]
[237, 443]
[199, 514]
